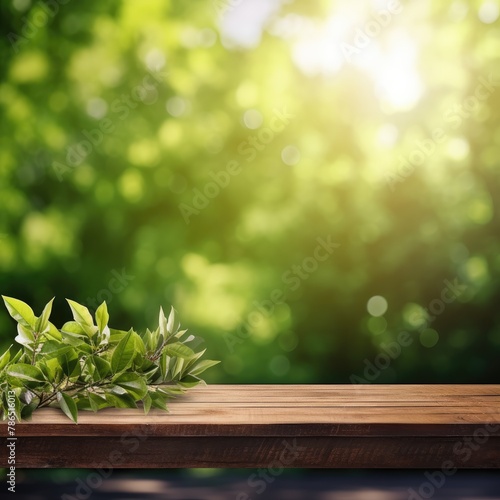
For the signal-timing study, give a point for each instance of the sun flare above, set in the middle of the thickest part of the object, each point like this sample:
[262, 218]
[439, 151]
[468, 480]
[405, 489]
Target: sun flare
[385, 53]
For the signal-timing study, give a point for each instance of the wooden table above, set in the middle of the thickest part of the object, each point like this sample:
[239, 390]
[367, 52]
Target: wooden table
[277, 426]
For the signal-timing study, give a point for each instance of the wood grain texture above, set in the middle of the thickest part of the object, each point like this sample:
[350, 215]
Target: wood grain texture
[254, 425]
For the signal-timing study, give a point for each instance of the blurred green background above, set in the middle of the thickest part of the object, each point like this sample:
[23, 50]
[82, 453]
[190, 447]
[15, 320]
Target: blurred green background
[197, 153]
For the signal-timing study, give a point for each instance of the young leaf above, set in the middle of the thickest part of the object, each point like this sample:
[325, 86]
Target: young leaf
[73, 329]
[68, 406]
[164, 364]
[162, 323]
[202, 366]
[102, 316]
[139, 348]
[42, 323]
[178, 366]
[5, 358]
[24, 336]
[116, 335]
[123, 354]
[20, 311]
[80, 313]
[53, 332]
[172, 323]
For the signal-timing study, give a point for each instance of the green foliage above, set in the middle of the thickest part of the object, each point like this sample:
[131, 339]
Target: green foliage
[402, 231]
[89, 366]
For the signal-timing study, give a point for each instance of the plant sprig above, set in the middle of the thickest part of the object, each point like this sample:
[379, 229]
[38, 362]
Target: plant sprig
[86, 365]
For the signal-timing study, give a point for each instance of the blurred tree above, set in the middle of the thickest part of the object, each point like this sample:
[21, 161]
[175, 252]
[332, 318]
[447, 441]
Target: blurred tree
[194, 153]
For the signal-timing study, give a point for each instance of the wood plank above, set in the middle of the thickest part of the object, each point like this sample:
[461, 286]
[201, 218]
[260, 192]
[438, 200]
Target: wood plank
[428, 420]
[258, 452]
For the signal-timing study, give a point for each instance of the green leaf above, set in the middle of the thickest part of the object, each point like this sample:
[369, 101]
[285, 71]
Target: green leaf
[123, 354]
[96, 402]
[202, 366]
[189, 382]
[120, 400]
[140, 349]
[25, 335]
[5, 358]
[116, 335]
[162, 324]
[53, 349]
[68, 406]
[27, 410]
[101, 367]
[42, 323]
[133, 384]
[193, 359]
[171, 390]
[146, 402]
[177, 367]
[53, 332]
[20, 311]
[177, 349]
[158, 400]
[69, 362]
[19, 354]
[147, 339]
[80, 313]
[25, 372]
[164, 364]
[172, 323]
[83, 403]
[181, 333]
[72, 328]
[51, 369]
[102, 316]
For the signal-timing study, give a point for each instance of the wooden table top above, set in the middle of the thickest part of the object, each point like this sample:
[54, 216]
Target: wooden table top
[293, 410]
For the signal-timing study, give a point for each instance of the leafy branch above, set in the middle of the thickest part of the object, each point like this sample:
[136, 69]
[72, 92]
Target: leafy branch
[86, 365]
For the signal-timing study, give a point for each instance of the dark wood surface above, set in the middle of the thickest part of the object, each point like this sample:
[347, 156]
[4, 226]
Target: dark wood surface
[372, 426]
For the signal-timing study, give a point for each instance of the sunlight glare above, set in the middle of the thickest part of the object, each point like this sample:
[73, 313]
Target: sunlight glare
[391, 65]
